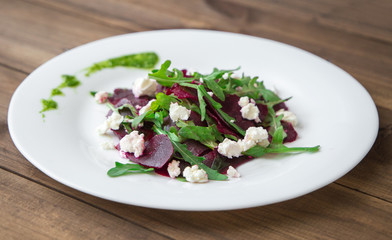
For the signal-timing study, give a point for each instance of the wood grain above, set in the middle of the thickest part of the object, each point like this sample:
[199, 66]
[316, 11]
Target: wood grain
[355, 35]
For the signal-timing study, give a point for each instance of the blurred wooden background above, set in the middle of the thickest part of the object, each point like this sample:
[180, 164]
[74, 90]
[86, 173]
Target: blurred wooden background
[356, 35]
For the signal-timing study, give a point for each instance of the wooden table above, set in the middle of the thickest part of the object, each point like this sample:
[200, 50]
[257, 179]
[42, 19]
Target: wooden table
[356, 35]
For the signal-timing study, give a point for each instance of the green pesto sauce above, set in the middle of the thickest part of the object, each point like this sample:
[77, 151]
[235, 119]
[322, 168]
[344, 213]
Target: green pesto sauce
[146, 60]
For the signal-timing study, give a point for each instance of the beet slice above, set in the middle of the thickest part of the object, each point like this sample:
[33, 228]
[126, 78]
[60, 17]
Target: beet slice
[290, 131]
[126, 96]
[279, 106]
[263, 111]
[196, 148]
[157, 152]
[182, 92]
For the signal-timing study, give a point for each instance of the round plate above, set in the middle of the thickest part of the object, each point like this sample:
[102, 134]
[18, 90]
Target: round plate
[333, 110]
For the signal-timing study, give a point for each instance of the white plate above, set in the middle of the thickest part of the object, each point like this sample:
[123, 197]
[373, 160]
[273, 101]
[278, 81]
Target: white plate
[333, 109]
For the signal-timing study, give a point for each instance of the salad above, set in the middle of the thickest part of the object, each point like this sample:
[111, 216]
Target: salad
[196, 127]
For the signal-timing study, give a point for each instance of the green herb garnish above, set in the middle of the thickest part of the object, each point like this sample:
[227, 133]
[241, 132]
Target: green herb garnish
[128, 168]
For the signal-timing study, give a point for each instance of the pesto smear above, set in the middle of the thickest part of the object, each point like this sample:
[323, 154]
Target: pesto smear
[145, 60]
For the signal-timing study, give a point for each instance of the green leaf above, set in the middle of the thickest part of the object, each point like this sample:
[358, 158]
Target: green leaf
[167, 78]
[215, 88]
[163, 101]
[258, 151]
[202, 104]
[137, 120]
[146, 60]
[206, 135]
[128, 168]
[92, 93]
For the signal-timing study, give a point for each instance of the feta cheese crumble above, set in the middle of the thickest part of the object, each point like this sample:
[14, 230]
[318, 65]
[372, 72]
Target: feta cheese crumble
[101, 97]
[147, 107]
[233, 173]
[177, 112]
[174, 169]
[195, 175]
[249, 110]
[230, 148]
[112, 122]
[288, 116]
[255, 135]
[144, 86]
[133, 143]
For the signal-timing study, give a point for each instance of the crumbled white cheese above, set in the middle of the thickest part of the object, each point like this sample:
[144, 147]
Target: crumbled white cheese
[115, 120]
[178, 112]
[107, 145]
[144, 86]
[288, 116]
[174, 169]
[250, 112]
[133, 143]
[253, 136]
[230, 148]
[201, 80]
[210, 93]
[243, 101]
[112, 122]
[101, 97]
[225, 76]
[194, 174]
[147, 107]
[233, 173]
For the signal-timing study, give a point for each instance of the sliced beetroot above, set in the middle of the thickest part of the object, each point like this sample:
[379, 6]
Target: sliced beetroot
[196, 118]
[182, 92]
[290, 131]
[263, 111]
[220, 124]
[279, 106]
[126, 96]
[231, 107]
[195, 147]
[235, 162]
[157, 152]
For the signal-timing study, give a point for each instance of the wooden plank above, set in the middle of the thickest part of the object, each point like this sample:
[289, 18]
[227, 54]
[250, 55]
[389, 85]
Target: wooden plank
[371, 175]
[31, 35]
[31, 211]
[315, 215]
[370, 19]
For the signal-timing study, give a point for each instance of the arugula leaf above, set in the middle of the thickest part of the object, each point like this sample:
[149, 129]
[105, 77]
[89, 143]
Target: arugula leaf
[189, 157]
[163, 101]
[206, 135]
[146, 60]
[92, 93]
[258, 151]
[128, 168]
[210, 81]
[167, 78]
[137, 120]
